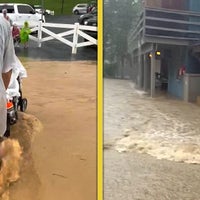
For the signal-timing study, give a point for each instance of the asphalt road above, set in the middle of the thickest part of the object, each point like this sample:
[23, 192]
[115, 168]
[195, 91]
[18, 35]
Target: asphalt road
[54, 49]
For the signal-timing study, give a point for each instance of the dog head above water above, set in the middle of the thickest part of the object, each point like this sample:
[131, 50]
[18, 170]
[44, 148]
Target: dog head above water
[10, 154]
[10, 148]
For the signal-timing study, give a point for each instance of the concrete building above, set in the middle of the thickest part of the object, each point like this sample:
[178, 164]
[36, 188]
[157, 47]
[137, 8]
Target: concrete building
[164, 48]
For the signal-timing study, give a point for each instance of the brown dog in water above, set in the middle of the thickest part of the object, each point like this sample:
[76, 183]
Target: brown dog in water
[10, 154]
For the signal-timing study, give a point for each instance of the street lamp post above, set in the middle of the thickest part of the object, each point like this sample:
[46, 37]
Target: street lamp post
[42, 13]
[62, 6]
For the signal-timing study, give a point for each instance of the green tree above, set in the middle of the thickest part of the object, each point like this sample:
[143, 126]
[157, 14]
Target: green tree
[120, 17]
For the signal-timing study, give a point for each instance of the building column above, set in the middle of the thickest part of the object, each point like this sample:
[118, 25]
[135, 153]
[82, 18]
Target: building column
[153, 77]
[145, 83]
[139, 65]
[135, 70]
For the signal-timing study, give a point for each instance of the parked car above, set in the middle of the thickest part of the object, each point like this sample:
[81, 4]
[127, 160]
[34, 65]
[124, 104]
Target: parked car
[40, 10]
[19, 13]
[80, 9]
[86, 16]
[91, 22]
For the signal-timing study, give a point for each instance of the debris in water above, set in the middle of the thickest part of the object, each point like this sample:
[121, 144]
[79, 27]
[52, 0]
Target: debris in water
[107, 146]
[59, 175]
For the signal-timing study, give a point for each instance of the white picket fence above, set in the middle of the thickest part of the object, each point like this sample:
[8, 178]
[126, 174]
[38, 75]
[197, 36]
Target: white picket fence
[75, 30]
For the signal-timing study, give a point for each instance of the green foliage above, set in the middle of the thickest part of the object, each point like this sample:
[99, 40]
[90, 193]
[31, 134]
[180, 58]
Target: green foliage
[55, 5]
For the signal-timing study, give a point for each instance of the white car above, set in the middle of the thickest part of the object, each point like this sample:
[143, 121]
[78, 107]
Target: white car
[40, 10]
[19, 13]
[80, 8]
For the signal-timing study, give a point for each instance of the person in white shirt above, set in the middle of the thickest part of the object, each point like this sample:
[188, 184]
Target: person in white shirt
[7, 62]
[4, 11]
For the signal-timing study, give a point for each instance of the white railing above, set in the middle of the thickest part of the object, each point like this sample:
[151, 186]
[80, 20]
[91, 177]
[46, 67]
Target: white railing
[75, 30]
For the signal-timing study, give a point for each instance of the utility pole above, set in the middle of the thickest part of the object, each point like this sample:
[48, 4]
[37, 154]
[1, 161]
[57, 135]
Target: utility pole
[43, 11]
[62, 7]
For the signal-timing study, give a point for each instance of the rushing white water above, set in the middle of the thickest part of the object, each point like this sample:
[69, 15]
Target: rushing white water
[162, 127]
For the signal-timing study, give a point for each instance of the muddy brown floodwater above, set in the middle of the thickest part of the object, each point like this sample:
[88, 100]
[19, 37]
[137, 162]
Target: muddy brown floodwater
[152, 146]
[61, 163]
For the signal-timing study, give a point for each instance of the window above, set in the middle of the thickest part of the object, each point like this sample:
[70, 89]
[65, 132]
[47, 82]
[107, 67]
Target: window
[25, 9]
[82, 6]
[10, 9]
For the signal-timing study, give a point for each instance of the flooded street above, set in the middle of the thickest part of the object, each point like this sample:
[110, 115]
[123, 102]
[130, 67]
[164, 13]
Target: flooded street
[152, 146]
[59, 152]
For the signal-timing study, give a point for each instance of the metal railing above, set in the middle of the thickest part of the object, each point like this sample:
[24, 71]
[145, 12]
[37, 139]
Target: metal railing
[165, 25]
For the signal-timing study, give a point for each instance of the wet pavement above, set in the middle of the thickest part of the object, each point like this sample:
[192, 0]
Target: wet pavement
[147, 144]
[54, 49]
